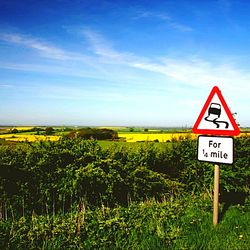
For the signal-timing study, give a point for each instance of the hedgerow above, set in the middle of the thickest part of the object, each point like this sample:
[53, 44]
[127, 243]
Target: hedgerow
[74, 194]
[52, 177]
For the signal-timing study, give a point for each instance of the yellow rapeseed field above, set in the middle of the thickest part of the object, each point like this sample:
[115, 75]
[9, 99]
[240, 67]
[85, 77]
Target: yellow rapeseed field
[128, 137]
[8, 129]
[161, 137]
[23, 128]
[30, 138]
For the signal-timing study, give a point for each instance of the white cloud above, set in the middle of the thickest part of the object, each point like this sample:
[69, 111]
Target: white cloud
[103, 48]
[43, 48]
[180, 27]
[190, 71]
[200, 72]
[171, 22]
[53, 69]
[6, 85]
[150, 14]
[193, 71]
[100, 46]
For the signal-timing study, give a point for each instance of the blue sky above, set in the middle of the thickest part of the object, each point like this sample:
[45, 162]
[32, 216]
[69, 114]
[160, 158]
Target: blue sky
[121, 63]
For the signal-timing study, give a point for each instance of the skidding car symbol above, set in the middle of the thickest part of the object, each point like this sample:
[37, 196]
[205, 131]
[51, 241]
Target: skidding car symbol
[215, 109]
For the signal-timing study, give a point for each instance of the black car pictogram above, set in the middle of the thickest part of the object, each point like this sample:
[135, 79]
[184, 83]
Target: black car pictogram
[215, 109]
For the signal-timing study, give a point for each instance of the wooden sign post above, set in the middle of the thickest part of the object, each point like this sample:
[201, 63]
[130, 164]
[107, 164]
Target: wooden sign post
[216, 194]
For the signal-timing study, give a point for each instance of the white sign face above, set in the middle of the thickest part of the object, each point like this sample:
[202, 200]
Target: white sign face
[215, 149]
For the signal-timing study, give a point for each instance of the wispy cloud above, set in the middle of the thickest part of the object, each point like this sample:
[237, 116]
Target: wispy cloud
[53, 69]
[43, 48]
[179, 26]
[46, 50]
[150, 14]
[192, 71]
[200, 72]
[102, 47]
[170, 21]
[6, 86]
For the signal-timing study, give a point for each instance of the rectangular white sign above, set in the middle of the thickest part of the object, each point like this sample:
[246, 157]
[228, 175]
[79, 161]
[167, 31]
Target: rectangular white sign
[215, 149]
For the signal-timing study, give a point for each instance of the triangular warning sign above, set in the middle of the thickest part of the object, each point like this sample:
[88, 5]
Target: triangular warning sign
[215, 117]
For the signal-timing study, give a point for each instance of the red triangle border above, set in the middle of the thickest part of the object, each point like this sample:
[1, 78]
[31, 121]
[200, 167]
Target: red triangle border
[234, 132]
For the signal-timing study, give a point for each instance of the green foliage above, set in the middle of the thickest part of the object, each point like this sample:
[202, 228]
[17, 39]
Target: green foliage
[44, 185]
[92, 133]
[49, 131]
[14, 131]
[184, 223]
[50, 177]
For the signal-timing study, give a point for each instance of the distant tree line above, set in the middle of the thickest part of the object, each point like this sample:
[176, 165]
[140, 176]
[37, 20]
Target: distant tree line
[84, 133]
[93, 133]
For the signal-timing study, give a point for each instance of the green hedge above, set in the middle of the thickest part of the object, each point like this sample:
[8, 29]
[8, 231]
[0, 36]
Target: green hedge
[52, 177]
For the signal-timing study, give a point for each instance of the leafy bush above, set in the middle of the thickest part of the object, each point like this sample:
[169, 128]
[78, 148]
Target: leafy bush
[52, 177]
[49, 131]
[74, 194]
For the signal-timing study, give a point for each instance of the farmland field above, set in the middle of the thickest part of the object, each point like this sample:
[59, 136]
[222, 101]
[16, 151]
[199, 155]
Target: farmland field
[128, 137]
[29, 134]
[30, 138]
[161, 137]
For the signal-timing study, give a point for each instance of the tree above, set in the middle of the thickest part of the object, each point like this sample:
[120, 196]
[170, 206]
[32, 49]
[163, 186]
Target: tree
[49, 130]
[36, 129]
[92, 133]
[14, 131]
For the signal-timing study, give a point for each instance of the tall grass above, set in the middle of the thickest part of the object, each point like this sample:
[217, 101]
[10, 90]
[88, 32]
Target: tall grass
[183, 223]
